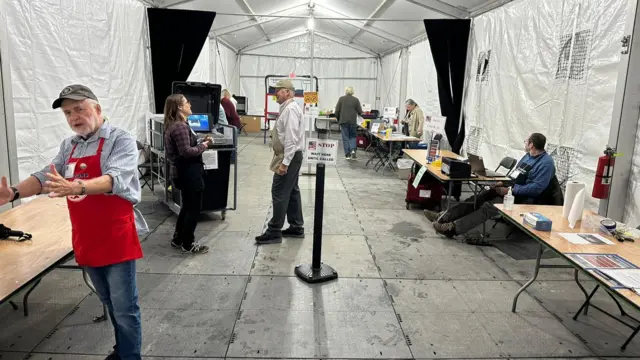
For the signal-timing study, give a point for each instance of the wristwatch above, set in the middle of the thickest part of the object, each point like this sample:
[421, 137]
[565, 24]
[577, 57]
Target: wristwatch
[84, 188]
[16, 194]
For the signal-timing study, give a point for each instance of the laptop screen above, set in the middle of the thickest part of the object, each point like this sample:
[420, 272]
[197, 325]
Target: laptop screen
[199, 122]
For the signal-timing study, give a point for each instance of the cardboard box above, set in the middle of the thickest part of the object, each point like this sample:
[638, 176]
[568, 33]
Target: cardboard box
[253, 123]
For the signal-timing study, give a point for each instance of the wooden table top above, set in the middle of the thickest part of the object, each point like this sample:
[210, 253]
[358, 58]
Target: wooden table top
[48, 221]
[420, 157]
[392, 139]
[590, 223]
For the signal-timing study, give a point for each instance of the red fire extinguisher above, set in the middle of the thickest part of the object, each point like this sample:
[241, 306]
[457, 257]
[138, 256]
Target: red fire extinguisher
[604, 173]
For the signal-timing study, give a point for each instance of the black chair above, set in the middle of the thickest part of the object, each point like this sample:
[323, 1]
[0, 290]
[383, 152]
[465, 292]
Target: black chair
[508, 163]
[144, 169]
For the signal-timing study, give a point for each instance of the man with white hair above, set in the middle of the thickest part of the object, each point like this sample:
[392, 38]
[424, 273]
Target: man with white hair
[348, 109]
[287, 142]
[96, 171]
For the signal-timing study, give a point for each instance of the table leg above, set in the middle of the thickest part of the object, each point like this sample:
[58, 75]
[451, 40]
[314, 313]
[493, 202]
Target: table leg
[535, 275]
[25, 299]
[635, 332]
[87, 281]
[584, 291]
[449, 192]
[586, 303]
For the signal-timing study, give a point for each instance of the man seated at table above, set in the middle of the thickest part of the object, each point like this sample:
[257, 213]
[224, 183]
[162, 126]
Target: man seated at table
[531, 178]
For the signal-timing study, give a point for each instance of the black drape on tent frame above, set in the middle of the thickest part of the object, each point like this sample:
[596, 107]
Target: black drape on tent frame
[176, 38]
[448, 40]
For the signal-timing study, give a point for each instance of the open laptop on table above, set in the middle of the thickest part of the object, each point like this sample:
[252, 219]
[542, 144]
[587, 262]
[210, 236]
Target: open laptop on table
[477, 167]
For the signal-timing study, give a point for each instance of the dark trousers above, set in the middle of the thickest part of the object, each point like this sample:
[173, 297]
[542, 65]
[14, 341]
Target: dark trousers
[285, 194]
[466, 217]
[116, 288]
[188, 217]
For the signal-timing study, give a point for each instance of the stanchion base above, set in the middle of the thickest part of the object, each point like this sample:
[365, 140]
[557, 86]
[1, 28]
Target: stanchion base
[308, 275]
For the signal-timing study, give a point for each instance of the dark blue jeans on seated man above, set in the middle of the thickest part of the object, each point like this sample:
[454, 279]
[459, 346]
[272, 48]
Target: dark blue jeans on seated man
[349, 132]
[116, 288]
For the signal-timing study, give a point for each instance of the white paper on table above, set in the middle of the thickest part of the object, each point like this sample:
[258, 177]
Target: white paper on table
[210, 159]
[575, 214]
[586, 239]
[629, 278]
[570, 193]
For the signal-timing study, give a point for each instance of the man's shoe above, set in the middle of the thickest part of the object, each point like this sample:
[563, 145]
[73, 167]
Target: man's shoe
[293, 233]
[446, 229]
[175, 244]
[353, 155]
[113, 355]
[348, 156]
[196, 249]
[433, 216]
[268, 238]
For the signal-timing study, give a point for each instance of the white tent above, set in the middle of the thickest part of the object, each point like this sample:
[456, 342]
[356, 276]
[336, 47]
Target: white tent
[549, 66]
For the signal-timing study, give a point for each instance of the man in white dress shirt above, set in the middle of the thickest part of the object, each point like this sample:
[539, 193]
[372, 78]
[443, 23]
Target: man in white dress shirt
[287, 142]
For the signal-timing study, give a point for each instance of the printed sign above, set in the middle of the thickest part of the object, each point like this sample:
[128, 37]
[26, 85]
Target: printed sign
[210, 159]
[419, 176]
[311, 97]
[321, 151]
[434, 125]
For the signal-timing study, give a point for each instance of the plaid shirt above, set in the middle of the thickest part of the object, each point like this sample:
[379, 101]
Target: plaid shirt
[181, 143]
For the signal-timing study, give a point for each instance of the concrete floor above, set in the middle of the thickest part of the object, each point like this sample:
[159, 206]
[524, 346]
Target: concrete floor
[403, 291]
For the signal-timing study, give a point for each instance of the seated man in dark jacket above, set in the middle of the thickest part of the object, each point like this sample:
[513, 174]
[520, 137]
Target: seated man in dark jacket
[531, 178]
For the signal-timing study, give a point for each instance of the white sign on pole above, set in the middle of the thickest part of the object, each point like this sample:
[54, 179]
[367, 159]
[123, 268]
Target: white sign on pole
[321, 151]
[210, 159]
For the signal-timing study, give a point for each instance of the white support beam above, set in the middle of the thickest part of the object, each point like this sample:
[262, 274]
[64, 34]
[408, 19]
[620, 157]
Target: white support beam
[167, 5]
[245, 7]
[404, 80]
[378, 12]
[294, 10]
[275, 40]
[221, 41]
[346, 43]
[624, 122]
[442, 8]
[360, 25]
[484, 8]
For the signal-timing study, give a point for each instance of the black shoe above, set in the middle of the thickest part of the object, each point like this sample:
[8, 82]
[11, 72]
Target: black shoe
[348, 156]
[293, 233]
[175, 244]
[113, 355]
[268, 238]
[353, 155]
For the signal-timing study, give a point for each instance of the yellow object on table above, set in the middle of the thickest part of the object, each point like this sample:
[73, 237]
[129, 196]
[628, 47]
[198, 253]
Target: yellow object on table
[387, 134]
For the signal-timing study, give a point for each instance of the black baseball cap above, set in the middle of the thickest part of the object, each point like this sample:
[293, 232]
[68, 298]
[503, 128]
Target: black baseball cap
[74, 92]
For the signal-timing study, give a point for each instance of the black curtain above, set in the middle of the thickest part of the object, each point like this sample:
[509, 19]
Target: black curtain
[176, 37]
[448, 41]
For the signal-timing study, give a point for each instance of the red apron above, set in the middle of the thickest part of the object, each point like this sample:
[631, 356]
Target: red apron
[103, 226]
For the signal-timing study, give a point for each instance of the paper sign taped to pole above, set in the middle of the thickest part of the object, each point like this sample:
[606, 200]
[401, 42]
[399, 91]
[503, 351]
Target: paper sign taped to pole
[210, 159]
[321, 151]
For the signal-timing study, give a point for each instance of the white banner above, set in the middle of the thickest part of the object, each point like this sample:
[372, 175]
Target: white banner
[321, 151]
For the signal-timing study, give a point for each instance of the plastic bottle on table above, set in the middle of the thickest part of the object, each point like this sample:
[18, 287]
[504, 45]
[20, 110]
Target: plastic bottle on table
[508, 201]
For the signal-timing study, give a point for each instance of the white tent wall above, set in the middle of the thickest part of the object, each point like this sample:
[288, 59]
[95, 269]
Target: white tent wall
[542, 79]
[389, 80]
[56, 43]
[632, 206]
[201, 71]
[422, 81]
[334, 72]
[224, 66]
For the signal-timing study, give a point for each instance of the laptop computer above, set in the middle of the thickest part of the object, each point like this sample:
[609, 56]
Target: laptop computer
[477, 167]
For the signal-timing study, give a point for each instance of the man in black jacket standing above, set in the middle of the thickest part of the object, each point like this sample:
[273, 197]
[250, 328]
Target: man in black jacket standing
[347, 111]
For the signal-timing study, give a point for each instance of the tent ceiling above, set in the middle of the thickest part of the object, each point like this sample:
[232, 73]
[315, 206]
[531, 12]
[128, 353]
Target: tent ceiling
[245, 32]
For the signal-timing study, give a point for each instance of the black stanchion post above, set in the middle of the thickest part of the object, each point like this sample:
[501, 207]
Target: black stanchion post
[317, 272]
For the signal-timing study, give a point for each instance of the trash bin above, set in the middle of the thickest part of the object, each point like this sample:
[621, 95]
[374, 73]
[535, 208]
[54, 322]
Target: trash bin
[404, 168]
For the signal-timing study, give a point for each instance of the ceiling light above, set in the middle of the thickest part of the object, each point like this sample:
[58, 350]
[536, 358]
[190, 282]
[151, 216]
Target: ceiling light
[311, 23]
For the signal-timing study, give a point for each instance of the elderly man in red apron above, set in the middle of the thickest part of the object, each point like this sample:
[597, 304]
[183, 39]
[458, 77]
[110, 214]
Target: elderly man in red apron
[96, 170]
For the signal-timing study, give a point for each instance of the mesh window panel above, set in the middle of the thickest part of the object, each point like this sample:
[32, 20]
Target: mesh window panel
[473, 140]
[484, 69]
[565, 159]
[573, 65]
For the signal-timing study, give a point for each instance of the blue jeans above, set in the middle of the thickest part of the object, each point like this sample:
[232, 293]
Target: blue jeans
[348, 137]
[116, 288]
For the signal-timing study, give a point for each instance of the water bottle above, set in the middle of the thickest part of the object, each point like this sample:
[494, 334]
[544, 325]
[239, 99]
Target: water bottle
[508, 201]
